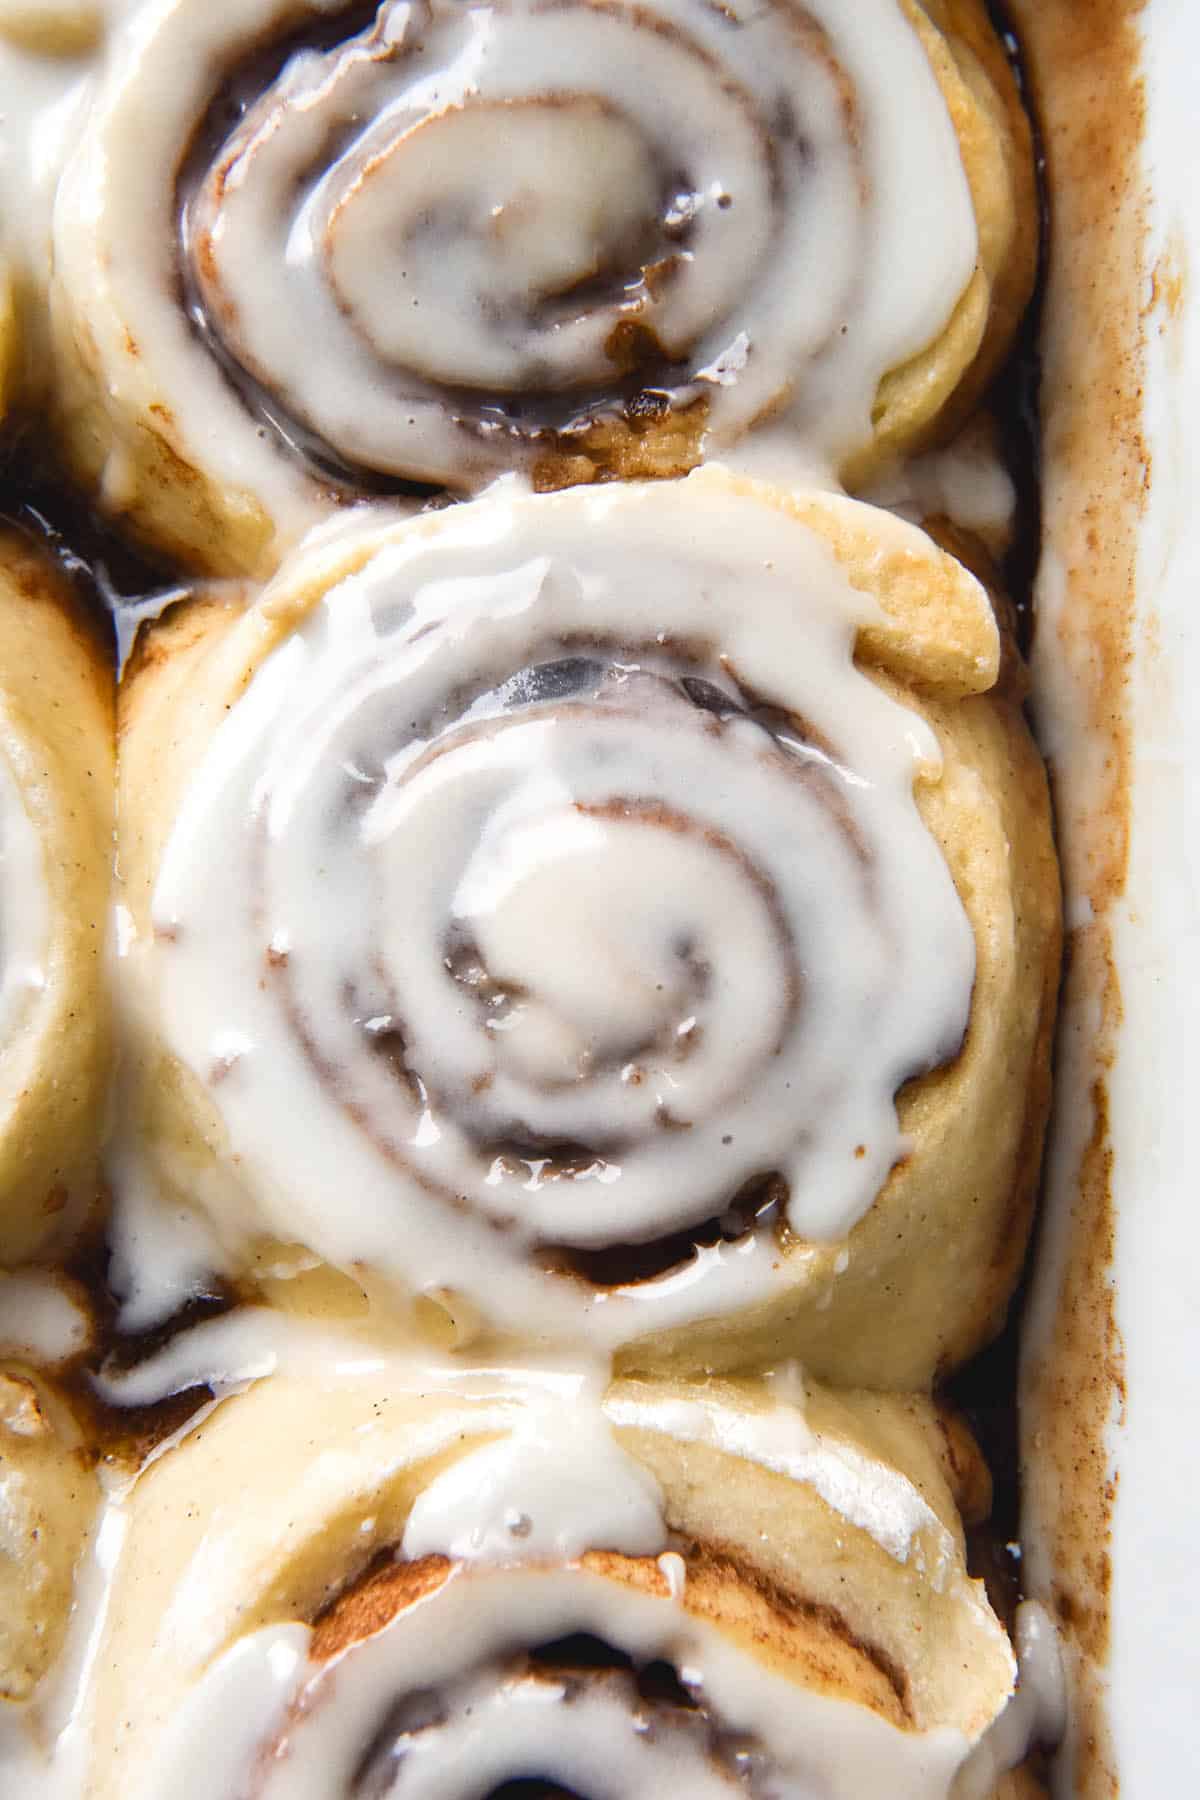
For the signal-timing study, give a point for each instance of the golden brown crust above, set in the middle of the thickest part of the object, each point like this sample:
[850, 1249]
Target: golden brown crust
[374, 1600]
[48, 1499]
[56, 727]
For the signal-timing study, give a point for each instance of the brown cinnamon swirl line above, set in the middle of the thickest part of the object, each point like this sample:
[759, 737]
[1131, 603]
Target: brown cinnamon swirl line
[609, 999]
[586, 239]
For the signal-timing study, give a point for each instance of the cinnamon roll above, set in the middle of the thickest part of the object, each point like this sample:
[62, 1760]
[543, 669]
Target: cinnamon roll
[56, 828]
[627, 913]
[303, 252]
[366, 1591]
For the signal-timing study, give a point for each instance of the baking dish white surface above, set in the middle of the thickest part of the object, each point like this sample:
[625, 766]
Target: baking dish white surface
[1154, 1098]
[1154, 1668]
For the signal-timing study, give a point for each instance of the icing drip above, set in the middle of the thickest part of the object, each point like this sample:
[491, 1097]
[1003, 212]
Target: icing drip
[693, 207]
[24, 907]
[542, 931]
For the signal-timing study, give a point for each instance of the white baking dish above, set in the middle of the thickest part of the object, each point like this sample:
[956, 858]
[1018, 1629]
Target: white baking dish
[1112, 1457]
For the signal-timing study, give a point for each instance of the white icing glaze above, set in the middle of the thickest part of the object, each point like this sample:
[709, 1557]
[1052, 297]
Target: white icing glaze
[24, 906]
[692, 950]
[679, 170]
[43, 1318]
[500, 1724]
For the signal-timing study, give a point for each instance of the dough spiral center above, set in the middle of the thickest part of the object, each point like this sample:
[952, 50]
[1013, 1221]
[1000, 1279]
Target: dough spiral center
[576, 880]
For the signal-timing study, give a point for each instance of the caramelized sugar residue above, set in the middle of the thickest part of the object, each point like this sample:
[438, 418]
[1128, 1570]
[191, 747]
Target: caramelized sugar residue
[1084, 58]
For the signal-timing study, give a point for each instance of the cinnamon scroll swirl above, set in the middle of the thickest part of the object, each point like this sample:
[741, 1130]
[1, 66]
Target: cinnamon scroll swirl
[361, 1591]
[56, 830]
[302, 252]
[626, 914]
